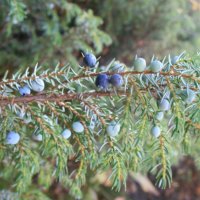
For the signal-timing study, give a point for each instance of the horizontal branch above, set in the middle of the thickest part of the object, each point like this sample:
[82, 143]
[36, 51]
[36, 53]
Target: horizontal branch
[55, 97]
[172, 72]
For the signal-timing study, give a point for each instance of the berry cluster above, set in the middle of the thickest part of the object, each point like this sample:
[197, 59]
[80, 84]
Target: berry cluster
[102, 81]
[187, 95]
[13, 137]
[36, 85]
[163, 105]
[139, 65]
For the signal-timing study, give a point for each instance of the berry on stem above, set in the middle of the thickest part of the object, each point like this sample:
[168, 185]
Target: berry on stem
[118, 67]
[25, 90]
[77, 127]
[12, 138]
[92, 125]
[20, 113]
[155, 131]
[38, 137]
[113, 129]
[174, 60]
[90, 60]
[164, 105]
[116, 80]
[139, 64]
[102, 81]
[66, 133]
[159, 116]
[188, 96]
[37, 85]
[156, 66]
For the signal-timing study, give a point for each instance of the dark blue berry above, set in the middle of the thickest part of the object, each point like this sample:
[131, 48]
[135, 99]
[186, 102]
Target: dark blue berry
[116, 80]
[90, 60]
[102, 81]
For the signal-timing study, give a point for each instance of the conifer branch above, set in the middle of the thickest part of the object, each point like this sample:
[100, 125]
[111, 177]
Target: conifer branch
[127, 106]
[55, 97]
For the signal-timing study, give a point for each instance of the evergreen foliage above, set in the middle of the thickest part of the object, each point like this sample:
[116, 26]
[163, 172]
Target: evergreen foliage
[68, 119]
[71, 100]
[32, 31]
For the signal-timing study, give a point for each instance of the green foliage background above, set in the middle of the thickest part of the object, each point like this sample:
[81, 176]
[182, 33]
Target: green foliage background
[143, 27]
[49, 32]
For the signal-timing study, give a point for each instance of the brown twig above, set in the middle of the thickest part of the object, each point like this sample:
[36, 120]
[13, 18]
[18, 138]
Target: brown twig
[170, 73]
[54, 97]
[61, 73]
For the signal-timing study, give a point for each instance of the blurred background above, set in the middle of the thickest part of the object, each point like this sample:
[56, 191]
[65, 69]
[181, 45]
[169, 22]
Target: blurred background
[49, 32]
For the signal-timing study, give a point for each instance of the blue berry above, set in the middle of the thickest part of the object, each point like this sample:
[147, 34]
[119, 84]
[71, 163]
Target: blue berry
[139, 64]
[37, 85]
[167, 95]
[77, 127]
[27, 120]
[116, 80]
[92, 125]
[90, 60]
[174, 60]
[156, 66]
[113, 129]
[118, 67]
[66, 133]
[102, 81]
[160, 116]
[155, 131]
[25, 90]
[21, 113]
[12, 138]
[164, 105]
[38, 137]
[188, 96]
